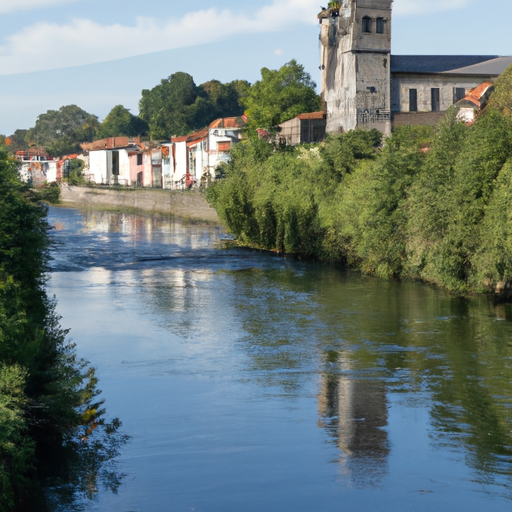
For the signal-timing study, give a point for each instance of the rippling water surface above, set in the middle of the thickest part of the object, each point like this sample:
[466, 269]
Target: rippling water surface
[253, 383]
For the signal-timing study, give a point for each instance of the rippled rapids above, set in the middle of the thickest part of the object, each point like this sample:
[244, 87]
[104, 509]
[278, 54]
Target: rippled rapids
[253, 383]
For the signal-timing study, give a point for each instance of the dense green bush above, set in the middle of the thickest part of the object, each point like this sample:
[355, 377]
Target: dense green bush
[431, 204]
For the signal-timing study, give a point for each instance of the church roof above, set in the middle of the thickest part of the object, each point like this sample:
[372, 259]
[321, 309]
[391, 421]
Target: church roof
[487, 68]
[459, 64]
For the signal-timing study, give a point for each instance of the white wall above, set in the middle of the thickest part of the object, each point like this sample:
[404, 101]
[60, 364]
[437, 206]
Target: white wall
[98, 166]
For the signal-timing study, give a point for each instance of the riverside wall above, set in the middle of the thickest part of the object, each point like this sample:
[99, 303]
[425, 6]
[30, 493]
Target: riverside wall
[184, 204]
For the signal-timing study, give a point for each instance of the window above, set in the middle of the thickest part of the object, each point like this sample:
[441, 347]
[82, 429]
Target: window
[367, 24]
[458, 94]
[435, 99]
[413, 100]
[139, 159]
[380, 25]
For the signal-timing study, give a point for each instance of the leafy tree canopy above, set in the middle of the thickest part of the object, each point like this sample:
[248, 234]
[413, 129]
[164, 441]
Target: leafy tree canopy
[178, 106]
[121, 122]
[61, 131]
[18, 140]
[280, 95]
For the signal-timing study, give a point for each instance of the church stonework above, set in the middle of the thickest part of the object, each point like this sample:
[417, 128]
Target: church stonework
[356, 65]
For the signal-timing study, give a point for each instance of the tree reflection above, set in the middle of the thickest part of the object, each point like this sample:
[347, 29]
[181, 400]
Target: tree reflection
[367, 338]
[87, 462]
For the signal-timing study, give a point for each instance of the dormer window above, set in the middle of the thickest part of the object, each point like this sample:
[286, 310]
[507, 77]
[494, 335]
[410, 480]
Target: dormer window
[380, 25]
[367, 25]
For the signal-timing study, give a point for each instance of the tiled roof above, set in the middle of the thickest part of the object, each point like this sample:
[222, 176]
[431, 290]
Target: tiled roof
[110, 143]
[229, 122]
[312, 115]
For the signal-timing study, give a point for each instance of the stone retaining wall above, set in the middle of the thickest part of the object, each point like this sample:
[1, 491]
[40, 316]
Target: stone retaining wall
[184, 204]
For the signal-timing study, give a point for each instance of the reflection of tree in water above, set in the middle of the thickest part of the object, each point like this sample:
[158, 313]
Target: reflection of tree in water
[403, 337]
[473, 391]
[354, 413]
[87, 462]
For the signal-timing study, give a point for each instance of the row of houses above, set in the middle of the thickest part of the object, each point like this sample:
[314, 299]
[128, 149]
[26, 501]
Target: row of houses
[181, 162]
[178, 163]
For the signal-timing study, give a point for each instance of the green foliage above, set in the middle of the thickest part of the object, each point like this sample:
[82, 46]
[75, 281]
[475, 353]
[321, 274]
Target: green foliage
[432, 204]
[282, 198]
[178, 106]
[16, 449]
[61, 131]
[48, 398]
[73, 171]
[49, 193]
[491, 262]
[373, 206]
[501, 99]
[280, 95]
[19, 141]
[120, 122]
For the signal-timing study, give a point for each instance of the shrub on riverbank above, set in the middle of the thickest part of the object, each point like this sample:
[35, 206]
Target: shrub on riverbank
[430, 205]
[48, 398]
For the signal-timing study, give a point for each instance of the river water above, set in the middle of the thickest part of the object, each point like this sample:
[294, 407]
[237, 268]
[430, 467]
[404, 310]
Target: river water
[252, 383]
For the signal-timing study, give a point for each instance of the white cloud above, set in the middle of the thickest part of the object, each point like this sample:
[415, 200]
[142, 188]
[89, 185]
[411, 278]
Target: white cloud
[82, 41]
[407, 7]
[8, 6]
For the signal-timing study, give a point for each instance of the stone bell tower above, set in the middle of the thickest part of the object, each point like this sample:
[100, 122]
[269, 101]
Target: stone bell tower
[355, 64]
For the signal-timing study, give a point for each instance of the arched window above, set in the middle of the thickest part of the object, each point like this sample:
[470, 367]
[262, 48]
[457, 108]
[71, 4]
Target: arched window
[367, 24]
[380, 25]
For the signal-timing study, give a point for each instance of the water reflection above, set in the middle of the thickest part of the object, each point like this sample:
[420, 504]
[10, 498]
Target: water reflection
[362, 351]
[367, 339]
[354, 413]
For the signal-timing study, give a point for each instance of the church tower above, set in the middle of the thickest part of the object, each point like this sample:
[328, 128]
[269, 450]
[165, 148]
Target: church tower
[355, 64]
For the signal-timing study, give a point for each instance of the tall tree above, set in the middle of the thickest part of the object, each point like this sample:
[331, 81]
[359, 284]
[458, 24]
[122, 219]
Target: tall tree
[178, 106]
[61, 131]
[120, 121]
[168, 107]
[280, 95]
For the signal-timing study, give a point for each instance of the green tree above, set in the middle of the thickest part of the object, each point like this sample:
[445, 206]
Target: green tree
[168, 108]
[121, 122]
[280, 95]
[18, 141]
[49, 402]
[225, 98]
[178, 106]
[61, 131]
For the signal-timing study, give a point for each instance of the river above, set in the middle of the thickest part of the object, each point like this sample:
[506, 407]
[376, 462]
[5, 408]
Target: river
[250, 382]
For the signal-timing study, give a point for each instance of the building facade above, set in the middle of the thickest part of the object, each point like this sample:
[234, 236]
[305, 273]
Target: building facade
[365, 86]
[356, 67]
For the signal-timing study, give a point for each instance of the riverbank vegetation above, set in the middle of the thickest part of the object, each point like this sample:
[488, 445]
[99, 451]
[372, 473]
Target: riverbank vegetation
[431, 203]
[54, 439]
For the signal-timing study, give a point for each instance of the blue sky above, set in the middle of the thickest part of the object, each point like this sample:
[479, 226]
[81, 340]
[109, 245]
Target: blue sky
[97, 54]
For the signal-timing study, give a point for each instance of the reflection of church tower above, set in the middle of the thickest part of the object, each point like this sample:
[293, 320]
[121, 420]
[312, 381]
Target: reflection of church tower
[356, 47]
[354, 413]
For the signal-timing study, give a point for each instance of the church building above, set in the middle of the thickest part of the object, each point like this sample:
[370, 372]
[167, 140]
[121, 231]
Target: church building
[365, 86]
